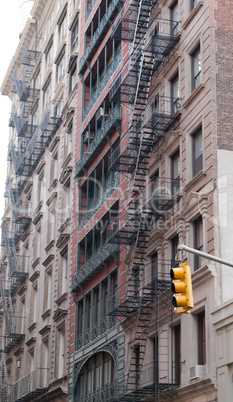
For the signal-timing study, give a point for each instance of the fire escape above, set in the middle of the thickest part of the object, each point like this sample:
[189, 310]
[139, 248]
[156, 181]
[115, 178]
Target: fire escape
[4, 383]
[147, 201]
[32, 138]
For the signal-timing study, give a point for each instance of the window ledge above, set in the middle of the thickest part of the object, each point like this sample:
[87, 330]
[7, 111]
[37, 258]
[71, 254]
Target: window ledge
[46, 314]
[61, 298]
[201, 275]
[32, 326]
[192, 14]
[36, 262]
[49, 246]
[53, 185]
[197, 177]
[193, 95]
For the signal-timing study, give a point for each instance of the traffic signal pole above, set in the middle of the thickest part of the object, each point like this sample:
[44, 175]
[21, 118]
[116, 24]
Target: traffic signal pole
[191, 250]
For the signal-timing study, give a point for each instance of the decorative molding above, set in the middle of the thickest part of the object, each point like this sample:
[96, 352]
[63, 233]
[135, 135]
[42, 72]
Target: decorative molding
[193, 95]
[192, 14]
[48, 260]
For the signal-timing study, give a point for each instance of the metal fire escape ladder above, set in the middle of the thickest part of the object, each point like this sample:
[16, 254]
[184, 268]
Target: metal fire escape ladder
[144, 228]
[10, 251]
[4, 391]
[7, 309]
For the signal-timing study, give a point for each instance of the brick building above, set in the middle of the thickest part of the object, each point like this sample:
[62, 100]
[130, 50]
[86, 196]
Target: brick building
[155, 124]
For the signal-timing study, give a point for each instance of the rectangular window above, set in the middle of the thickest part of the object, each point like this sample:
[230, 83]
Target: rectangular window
[74, 35]
[197, 151]
[47, 291]
[49, 56]
[64, 273]
[193, 4]
[61, 352]
[35, 116]
[62, 28]
[174, 245]
[47, 94]
[198, 241]
[53, 169]
[196, 67]
[177, 353]
[36, 80]
[175, 93]
[60, 68]
[73, 77]
[175, 172]
[174, 18]
[201, 338]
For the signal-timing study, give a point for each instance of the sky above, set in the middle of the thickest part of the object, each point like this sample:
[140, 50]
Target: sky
[9, 39]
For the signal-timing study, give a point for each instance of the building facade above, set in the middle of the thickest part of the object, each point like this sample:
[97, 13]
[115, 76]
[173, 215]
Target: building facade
[36, 256]
[165, 67]
[115, 158]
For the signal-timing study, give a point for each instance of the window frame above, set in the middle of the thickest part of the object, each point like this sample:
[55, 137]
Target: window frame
[197, 161]
[196, 67]
[175, 186]
[174, 9]
[197, 243]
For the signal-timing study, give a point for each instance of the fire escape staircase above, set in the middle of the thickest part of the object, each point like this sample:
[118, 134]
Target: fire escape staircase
[12, 338]
[17, 276]
[4, 391]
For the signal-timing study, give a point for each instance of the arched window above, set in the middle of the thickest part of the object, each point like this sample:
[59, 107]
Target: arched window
[96, 377]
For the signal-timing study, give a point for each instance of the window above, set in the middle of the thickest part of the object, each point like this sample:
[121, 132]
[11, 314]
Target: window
[36, 244]
[97, 372]
[61, 352]
[47, 93]
[74, 35]
[51, 225]
[62, 28]
[177, 353]
[198, 241]
[174, 18]
[175, 172]
[40, 189]
[196, 67]
[53, 168]
[193, 4]
[33, 304]
[49, 55]
[68, 140]
[66, 202]
[64, 273]
[197, 151]
[36, 80]
[48, 290]
[154, 266]
[174, 245]
[175, 93]
[201, 338]
[60, 68]
[73, 77]
[45, 361]
[35, 115]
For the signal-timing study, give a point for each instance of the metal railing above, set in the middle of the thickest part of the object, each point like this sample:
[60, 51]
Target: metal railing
[105, 253]
[103, 25]
[97, 330]
[109, 122]
[106, 393]
[34, 382]
[105, 193]
[104, 81]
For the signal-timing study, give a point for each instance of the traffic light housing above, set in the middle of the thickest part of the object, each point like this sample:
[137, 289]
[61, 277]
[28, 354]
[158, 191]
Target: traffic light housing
[182, 288]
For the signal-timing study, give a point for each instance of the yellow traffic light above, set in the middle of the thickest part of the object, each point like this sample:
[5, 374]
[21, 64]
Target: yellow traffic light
[182, 288]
